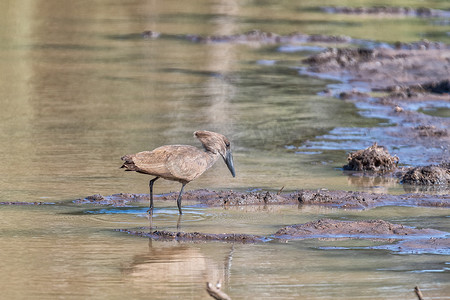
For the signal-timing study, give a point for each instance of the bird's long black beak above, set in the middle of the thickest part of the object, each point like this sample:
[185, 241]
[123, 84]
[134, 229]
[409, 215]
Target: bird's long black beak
[229, 161]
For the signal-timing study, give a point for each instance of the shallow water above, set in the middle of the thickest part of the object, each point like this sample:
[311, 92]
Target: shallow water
[80, 87]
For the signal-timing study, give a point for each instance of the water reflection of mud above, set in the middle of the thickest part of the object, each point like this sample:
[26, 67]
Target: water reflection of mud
[376, 183]
[431, 189]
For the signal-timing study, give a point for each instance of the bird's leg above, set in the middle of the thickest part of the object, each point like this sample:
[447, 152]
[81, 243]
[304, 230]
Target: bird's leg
[179, 198]
[150, 209]
[179, 223]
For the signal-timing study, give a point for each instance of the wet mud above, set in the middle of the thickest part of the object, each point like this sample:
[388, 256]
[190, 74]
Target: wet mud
[360, 229]
[24, 203]
[409, 239]
[117, 200]
[387, 69]
[431, 245]
[336, 199]
[253, 37]
[195, 236]
[422, 12]
[395, 82]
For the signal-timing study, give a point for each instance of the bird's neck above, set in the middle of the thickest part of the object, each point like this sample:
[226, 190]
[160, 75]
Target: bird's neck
[211, 157]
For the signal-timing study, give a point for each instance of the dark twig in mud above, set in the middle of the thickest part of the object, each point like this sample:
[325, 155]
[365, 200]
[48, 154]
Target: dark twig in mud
[215, 292]
[418, 293]
[279, 192]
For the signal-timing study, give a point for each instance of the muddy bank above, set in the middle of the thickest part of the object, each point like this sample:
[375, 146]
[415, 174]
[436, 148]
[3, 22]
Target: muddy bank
[252, 37]
[25, 203]
[121, 199]
[419, 246]
[258, 37]
[422, 12]
[384, 68]
[405, 81]
[337, 199]
[360, 229]
[409, 239]
[196, 236]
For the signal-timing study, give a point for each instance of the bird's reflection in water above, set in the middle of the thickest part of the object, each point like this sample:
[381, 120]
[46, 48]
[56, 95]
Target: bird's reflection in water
[152, 227]
[178, 266]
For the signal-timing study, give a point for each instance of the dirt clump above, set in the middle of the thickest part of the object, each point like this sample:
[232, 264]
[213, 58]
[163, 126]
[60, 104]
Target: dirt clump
[428, 175]
[366, 228]
[375, 158]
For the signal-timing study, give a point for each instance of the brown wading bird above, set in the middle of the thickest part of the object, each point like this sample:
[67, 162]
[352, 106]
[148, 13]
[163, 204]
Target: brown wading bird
[181, 163]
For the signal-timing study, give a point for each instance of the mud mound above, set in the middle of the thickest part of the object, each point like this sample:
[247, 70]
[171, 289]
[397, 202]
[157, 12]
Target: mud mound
[375, 158]
[360, 229]
[196, 236]
[428, 175]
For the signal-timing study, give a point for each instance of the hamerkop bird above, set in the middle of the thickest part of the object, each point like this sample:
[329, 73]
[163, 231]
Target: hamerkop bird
[181, 163]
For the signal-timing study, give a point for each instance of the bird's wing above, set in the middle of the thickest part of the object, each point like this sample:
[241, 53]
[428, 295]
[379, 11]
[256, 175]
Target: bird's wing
[152, 162]
[187, 162]
[174, 162]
